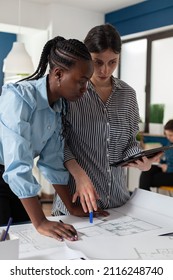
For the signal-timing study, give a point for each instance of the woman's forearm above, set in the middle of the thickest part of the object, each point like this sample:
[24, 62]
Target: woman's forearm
[74, 168]
[33, 208]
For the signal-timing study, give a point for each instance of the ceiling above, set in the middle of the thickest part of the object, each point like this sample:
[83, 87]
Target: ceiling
[104, 6]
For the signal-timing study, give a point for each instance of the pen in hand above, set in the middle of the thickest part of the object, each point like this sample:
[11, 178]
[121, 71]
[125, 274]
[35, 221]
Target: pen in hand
[91, 217]
[74, 234]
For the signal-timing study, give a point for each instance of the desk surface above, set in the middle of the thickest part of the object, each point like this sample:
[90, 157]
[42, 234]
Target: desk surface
[130, 232]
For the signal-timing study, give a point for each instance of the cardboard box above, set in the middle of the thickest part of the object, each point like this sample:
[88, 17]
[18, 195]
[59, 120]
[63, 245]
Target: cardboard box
[9, 249]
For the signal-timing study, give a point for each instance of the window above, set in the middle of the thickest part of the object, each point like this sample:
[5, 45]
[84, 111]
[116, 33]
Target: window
[146, 66]
[161, 75]
[134, 55]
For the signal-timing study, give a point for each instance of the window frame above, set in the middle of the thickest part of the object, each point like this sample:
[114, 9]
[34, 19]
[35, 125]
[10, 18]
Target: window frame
[150, 38]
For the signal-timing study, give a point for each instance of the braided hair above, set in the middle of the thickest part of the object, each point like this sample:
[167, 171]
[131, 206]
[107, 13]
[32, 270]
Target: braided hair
[60, 52]
[63, 53]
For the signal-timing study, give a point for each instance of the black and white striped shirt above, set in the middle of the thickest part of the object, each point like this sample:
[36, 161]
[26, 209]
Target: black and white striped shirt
[100, 134]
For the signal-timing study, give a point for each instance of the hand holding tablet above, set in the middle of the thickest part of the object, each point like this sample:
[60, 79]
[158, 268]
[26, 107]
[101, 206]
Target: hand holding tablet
[147, 153]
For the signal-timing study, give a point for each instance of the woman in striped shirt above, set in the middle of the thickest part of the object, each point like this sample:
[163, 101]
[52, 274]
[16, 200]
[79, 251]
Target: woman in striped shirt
[101, 128]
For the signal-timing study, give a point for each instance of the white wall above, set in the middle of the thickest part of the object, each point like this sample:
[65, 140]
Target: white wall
[40, 22]
[32, 14]
[72, 22]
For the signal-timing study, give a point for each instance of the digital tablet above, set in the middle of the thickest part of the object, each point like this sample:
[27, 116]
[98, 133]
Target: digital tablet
[148, 153]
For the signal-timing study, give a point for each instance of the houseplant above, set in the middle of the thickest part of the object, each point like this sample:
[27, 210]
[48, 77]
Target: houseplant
[156, 118]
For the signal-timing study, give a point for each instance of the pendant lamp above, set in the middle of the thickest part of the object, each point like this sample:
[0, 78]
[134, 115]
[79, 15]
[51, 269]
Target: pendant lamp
[18, 61]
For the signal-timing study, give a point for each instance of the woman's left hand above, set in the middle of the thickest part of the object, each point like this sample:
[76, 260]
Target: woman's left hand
[145, 163]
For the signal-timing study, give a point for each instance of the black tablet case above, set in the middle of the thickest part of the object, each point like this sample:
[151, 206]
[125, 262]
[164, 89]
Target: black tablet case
[148, 153]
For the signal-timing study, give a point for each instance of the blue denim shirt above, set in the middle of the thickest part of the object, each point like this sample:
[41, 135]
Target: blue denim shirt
[29, 127]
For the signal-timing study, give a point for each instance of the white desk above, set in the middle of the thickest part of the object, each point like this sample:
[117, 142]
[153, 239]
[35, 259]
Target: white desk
[130, 232]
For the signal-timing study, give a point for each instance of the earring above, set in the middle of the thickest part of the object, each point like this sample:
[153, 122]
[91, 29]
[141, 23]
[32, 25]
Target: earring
[59, 82]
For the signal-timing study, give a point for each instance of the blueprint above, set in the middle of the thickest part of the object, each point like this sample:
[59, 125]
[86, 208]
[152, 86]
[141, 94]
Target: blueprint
[132, 231]
[119, 226]
[129, 232]
[32, 245]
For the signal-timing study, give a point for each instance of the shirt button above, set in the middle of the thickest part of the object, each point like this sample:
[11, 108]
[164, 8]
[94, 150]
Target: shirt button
[49, 127]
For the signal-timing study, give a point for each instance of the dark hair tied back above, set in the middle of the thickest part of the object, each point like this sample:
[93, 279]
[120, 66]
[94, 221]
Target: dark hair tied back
[103, 37]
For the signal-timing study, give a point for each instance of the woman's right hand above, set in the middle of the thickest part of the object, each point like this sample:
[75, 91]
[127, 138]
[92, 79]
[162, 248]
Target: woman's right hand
[84, 187]
[78, 211]
[57, 230]
[86, 192]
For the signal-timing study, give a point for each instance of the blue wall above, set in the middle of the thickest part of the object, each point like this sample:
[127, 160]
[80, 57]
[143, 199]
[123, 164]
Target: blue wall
[155, 139]
[6, 42]
[144, 16]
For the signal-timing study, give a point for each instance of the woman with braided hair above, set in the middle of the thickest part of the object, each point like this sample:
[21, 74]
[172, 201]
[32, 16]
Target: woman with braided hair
[31, 113]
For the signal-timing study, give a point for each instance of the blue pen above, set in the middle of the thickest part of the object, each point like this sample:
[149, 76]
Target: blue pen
[7, 229]
[91, 217]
